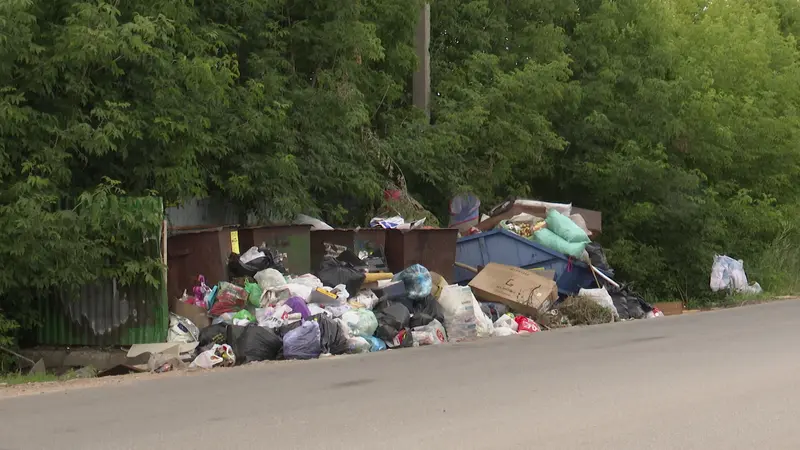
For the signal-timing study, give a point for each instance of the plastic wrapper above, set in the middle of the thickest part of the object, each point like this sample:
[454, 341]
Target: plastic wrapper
[506, 321]
[431, 334]
[463, 318]
[526, 325]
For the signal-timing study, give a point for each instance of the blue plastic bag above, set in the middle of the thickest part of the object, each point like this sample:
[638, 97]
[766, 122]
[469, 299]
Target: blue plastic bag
[375, 344]
[417, 280]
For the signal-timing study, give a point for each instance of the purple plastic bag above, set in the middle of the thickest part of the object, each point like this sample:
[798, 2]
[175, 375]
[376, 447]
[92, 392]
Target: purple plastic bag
[303, 342]
[299, 305]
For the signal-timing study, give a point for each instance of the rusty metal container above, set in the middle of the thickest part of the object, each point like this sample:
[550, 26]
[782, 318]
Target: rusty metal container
[194, 253]
[293, 240]
[355, 240]
[433, 248]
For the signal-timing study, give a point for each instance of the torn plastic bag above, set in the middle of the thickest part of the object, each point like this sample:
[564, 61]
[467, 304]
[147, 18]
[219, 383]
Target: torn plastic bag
[333, 272]
[333, 340]
[257, 344]
[362, 322]
[303, 342]
[218, 355]
[430, 334]
[601, 297]
[182, 329]
[392, 318]
[417, 280]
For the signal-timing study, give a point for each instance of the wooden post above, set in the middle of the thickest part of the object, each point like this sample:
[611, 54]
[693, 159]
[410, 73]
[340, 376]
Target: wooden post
[422, 77]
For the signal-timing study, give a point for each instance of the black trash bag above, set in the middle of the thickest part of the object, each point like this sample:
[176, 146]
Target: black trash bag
[331, 335]
[629, 304]
[392, 318]
[272, 259]
[255, 343]
[493, 310]
[214, 334]
[424, 311]
[333, 272]
[598, 258]
[283, 329]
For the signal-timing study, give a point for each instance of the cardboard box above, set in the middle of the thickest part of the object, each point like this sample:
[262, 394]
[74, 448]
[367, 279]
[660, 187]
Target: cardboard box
[521, 290]
[439, 283]
[198, 315]
[549, 274]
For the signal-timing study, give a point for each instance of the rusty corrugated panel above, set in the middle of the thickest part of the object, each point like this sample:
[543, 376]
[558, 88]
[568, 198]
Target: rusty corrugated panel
[107, 313]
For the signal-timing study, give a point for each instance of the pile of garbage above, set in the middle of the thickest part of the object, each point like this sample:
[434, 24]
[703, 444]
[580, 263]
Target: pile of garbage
[349, 305]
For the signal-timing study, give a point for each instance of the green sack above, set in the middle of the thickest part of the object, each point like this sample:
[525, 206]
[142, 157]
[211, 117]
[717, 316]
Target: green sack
[564, 227]
[244, 315]
[253, 293]
[559, 244]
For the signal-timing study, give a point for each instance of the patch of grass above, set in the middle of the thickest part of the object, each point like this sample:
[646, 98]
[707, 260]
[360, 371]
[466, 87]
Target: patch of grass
[584, 311]
[22, 378]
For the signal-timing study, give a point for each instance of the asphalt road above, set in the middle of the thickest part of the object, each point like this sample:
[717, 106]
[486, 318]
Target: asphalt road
[723, 380]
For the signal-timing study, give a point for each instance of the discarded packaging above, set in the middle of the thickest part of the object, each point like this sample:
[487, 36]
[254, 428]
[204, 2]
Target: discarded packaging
[521, 290]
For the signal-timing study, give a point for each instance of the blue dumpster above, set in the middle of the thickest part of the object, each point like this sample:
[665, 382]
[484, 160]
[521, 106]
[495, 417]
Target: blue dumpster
[505, 247]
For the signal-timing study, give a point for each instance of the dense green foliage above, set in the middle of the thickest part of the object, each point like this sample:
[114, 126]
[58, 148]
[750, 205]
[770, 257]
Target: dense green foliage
[677, 118]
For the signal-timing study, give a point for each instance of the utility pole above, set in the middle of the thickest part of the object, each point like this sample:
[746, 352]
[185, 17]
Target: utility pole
[422, 77]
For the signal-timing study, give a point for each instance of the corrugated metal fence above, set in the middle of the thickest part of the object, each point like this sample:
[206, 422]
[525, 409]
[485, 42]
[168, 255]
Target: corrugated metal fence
[107, 313]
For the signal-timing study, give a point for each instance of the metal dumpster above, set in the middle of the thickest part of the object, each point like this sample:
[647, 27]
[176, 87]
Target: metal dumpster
[433, 248]
[293, 240]
[194, 253]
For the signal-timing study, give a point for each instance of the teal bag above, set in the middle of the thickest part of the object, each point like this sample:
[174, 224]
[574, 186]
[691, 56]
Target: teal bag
[564, 227]
[559, 244]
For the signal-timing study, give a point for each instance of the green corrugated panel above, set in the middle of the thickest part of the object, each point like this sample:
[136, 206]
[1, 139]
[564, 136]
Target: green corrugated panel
[108, 314]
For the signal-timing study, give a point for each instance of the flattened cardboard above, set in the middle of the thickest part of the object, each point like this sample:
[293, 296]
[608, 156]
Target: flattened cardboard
[520, 289]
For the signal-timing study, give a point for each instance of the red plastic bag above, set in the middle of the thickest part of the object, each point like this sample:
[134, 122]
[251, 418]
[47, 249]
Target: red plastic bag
[230, 298]
[526, 325]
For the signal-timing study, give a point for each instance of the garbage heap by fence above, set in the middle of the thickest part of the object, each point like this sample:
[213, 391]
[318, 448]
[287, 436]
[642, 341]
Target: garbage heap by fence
[516, 273]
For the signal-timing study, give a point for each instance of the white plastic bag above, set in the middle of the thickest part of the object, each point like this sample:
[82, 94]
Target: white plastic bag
[430, 334]
[182, 329]
[728, 274]
[601, 297]
[504, 331]
[366, 298]
[506, 321]
[463, 318]
[217, 355]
